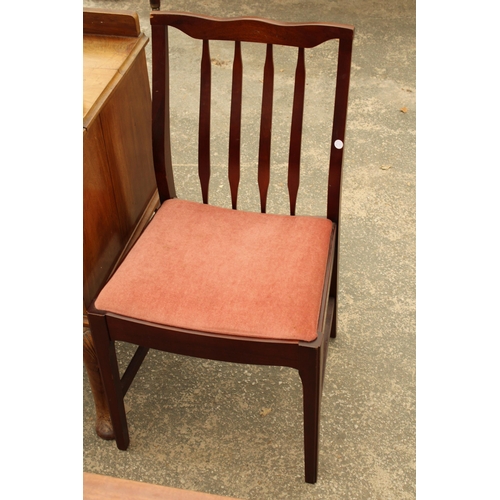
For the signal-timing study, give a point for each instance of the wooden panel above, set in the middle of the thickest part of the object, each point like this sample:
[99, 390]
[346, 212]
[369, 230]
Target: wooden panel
[126, 120]
[119, 182]
[103, 235]
[265, 128]
[253, 29]
[115, 23]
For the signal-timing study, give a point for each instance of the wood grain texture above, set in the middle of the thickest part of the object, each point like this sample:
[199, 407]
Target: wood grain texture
[127, 134]
[103, 231]
[115, 23]
[106, 60]
[119, 185]
[119, 182]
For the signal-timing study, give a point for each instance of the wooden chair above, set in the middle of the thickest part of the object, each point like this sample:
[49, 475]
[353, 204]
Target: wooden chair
[227, 284]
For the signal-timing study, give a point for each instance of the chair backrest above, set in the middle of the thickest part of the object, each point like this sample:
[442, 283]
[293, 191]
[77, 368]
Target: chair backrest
[238, 30]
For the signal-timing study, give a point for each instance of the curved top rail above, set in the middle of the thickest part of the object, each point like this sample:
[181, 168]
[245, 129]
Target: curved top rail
[253, 29]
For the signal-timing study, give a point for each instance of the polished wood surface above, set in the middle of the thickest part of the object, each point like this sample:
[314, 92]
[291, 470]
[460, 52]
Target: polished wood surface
[105, 62]
[111, 23]
[102, 229]
[119, 183]
[119, 187]
[98, 487]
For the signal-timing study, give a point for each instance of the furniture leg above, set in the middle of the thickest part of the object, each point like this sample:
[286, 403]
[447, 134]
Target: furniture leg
[311, 376]
[333, 291]
[333, 331]
[103, 426]
[110, 375]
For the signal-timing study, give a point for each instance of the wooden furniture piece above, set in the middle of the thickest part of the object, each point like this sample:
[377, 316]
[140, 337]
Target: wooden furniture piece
[120, 193]
[221, 283]
[98, 487]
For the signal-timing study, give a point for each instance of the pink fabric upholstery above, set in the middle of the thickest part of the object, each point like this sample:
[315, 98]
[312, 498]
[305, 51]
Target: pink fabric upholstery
[224, 271]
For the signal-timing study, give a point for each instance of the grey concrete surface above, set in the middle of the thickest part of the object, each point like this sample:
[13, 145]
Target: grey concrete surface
[236, 430]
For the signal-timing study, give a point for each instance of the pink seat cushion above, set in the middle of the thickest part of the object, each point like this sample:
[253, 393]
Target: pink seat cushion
[217, 270]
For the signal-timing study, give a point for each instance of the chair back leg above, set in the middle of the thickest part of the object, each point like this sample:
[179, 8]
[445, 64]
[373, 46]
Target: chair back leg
[333, 288]
[311, 373]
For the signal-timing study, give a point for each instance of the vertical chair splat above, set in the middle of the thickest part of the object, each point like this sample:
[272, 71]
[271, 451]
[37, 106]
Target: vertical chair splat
[265, 128]
[204, 125]
[296, 131]
[235, 125]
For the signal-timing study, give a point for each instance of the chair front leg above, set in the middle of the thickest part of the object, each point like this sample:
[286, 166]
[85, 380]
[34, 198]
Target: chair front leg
[110, 375]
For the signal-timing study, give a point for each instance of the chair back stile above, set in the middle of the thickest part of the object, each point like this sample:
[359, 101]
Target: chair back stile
[339, 126]
[162, 153]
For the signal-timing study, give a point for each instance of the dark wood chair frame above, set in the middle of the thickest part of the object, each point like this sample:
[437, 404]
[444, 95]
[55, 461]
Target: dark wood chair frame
[307, 357]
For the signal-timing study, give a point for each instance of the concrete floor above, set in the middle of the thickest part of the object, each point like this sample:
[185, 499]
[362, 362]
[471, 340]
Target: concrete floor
[206, 426]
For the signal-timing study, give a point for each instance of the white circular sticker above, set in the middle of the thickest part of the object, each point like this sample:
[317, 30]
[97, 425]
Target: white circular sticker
[338, 144]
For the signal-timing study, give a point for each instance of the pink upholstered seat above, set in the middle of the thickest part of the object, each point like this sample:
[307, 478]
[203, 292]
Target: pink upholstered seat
[217, 270]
